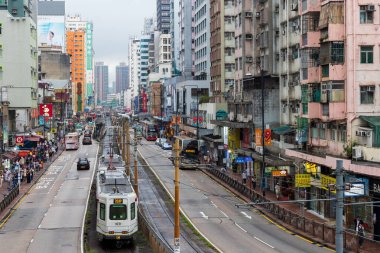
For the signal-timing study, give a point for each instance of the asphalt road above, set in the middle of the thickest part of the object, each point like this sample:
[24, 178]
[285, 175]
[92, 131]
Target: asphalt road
[50, 217]
[212, 210]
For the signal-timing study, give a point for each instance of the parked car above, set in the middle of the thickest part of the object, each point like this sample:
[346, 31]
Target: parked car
[166, 146]
[83, 163]
[87, 140]
[160, 141]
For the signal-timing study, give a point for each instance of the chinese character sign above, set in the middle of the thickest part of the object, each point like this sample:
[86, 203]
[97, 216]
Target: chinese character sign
[303, 180]
[46, 110]
[267, 137]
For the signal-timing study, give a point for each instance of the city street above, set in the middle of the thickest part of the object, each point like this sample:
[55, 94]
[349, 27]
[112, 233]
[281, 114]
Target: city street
[211, 208]
[50, 217]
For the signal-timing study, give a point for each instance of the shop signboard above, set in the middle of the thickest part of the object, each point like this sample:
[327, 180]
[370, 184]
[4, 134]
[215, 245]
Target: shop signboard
[267, 137]
[303, 180]
[41, 120]
[313, 169]
[46, 110]
[268, 170]
[326, 181]
[279, 173]
[221, 115]
[355, 180]
[19, 140]
[354, 189]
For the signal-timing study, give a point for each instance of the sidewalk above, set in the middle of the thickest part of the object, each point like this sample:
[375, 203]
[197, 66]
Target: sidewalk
[24, 186]
[289, 215]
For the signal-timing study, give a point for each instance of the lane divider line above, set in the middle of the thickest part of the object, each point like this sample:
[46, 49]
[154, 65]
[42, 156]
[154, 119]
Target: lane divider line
[245, 231]
[264, 242]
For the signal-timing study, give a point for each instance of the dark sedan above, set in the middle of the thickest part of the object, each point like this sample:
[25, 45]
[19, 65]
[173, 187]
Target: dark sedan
[87, 140]
[83, 164]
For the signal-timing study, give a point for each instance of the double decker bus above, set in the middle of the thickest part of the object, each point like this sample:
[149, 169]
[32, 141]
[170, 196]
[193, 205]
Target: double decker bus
[149, 131]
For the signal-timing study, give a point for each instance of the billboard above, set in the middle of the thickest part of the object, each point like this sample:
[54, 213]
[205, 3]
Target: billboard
[51, 31]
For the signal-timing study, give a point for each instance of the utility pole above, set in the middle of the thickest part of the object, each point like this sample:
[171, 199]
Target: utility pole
[262, 127]
[128, 157]
[176, 198]
[135, 186]
[339, 207]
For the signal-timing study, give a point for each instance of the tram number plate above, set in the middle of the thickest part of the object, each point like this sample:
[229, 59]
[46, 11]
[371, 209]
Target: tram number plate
[118, 201]
[118, 237]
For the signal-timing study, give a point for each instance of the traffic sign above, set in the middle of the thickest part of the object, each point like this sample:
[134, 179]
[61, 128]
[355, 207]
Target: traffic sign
[20, 140]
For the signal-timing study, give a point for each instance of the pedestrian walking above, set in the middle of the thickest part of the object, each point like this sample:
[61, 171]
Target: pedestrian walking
[277, 189]
[244, 176]
[1, 178]
[357, 222]
[254, 183]
[361, 233]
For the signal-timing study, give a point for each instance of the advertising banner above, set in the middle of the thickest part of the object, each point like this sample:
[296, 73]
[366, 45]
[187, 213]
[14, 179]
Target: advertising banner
[326, 181]
[46, 110]
[267, 137]
[41, 120]
[51, 31]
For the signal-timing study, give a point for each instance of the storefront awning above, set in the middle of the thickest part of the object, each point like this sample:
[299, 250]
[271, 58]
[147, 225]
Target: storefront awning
[285, 129]
[240, 159]
[372, 120]
[9, 155]
[231, 124]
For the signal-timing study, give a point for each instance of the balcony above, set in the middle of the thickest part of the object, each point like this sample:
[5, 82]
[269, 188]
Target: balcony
[310, 6]
[310, 39]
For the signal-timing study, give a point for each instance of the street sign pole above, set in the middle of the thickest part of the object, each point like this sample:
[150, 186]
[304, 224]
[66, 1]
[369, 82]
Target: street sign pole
[339, 207]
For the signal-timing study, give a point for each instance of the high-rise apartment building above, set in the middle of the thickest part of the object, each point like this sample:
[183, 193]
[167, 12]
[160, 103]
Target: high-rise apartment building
[122, 77]
[76, 46]
[18, 66]
[144, 60]
[134, 71]
[186, 37]
[202, 40]
[79, 42]
[174, 31]
[163, 15]
[222, 46]
[101, 82]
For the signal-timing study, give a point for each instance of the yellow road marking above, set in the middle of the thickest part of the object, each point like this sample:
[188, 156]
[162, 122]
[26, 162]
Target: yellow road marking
[303, 238]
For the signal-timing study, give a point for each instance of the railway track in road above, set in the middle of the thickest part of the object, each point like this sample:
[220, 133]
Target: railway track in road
[163, 208]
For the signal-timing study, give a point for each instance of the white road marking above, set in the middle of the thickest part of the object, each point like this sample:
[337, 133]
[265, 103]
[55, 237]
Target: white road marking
[224, 213]
[39, 226]
[212, 203]
[241, 228]
[31, 240]
[204, 215]
[246, 215]
[264, 242]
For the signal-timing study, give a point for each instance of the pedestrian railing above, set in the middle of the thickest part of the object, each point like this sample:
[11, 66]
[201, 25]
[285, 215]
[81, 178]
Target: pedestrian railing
[9, 198]
[309, 227]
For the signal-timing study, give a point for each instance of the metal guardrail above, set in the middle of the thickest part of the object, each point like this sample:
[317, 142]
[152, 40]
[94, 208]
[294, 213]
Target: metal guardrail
[9, 198]
[311, 228]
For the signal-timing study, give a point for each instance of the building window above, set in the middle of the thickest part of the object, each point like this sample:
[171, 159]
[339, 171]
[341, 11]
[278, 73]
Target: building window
[325, 70]
[366, 54]
[337, 52]
[102, 212]
[366, 14]
[367, 94]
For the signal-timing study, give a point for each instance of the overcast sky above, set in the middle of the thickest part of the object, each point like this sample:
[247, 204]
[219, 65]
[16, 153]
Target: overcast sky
[115, 21]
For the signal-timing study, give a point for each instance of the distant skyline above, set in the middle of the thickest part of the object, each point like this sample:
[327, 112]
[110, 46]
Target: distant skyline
[115, 21]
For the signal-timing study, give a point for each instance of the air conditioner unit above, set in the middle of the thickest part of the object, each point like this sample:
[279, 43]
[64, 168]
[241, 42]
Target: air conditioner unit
[258, 14]
[248, 14]
[370, 7]
[248, 36]
[357, 152]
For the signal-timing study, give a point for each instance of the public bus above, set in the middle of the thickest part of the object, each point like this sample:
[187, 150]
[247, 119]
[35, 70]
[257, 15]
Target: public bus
[72, 141]
[149, 131]
[189, 151]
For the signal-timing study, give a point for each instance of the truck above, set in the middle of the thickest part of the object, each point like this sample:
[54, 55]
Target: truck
[72, 141]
